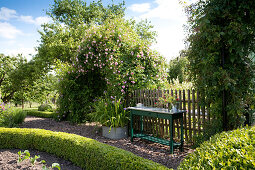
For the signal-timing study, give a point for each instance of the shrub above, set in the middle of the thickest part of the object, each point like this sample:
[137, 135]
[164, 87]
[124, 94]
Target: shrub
[11, 117]
[210, 129]
[45, 107]
[227, 150]
[84, 152]
[110, 112]
[113, 58]
[43, 114]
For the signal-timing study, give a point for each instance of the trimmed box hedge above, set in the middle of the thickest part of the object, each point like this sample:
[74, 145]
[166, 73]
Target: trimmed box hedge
[43, 114]
[227, 150]
[45, 107]
[84, 152]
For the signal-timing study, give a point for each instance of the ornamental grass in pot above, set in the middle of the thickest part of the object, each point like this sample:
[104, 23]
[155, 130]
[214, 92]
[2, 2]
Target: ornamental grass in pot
[113, 116]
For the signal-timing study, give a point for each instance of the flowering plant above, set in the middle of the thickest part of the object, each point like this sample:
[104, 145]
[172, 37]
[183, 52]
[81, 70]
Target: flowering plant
[2, 108]
[168, 100]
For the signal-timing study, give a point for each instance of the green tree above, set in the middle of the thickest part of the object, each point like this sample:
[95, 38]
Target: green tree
[178, 69]
[17, 75]
[61, 38]
[41, 90]
[221, 38]
[11, 79]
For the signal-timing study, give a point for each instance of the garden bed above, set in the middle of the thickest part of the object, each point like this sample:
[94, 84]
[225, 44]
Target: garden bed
[9, 157]
[153, 151]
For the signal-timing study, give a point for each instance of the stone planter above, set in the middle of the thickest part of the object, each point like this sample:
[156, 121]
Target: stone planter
[115, 133]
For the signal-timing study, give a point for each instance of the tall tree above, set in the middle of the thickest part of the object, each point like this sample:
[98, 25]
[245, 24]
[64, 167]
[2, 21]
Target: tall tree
[221, 38]
[177, 69]
[61, 38]
[16, 74]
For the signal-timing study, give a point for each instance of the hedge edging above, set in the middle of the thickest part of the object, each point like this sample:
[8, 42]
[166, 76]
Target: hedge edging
[84, 152]
[227, 150]
[42, 114]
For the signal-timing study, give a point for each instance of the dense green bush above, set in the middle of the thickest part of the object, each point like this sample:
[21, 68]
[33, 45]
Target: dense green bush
[77, 94]
[36, 113]
[45, 107]
[84, 152]
[210, 128]
[112, 58]
[227, 150]
[11, 117]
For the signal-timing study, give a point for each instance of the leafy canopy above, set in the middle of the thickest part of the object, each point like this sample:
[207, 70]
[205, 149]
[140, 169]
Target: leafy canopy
[221, 39]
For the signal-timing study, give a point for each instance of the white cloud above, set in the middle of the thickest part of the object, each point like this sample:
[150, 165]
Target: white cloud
[6, 13]
[144, 7]
[8, 31]
[36, 21]
[26, 52]
[170, 41]
[42, 20]
[168, 18]
[166, 9]
[28, 19]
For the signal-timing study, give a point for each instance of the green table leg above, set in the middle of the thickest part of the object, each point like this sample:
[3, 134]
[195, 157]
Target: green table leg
[171, 137]
[182, 134]
[131, 126]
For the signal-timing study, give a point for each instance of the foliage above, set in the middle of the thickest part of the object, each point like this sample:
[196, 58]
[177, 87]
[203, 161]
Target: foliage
[43, 114]
[176, 85]
[26, 155]
[228, 150]
[76, 95]
[178, 70]
[71, 18]
[111, 58]
[221, 39]
[11, 117]
[45, 107]
[116, 52]
[43, 89]
[71, 36]
[17, 76]
[84, 152]
[11, 79]
[209, 129]
[110, 113]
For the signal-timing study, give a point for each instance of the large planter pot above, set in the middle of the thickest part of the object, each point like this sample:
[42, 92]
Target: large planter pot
[115, 133]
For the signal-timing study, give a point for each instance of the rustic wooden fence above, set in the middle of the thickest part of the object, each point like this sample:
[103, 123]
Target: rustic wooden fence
[194, 119]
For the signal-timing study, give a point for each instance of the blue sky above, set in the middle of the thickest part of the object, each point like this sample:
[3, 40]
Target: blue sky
[20, 21]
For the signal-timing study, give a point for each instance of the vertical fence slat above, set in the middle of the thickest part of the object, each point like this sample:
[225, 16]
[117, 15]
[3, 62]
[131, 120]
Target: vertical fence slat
[203, 117]
[193, 112]
[208, 113]
[189, 116]
[184, 116]
[198, 113]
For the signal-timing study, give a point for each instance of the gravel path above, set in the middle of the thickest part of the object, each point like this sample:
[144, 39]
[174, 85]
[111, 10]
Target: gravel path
[149, 150]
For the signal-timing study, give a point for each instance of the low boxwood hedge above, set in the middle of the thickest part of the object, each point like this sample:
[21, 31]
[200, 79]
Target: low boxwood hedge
[43, 114]
[227, 150]
[84, 152]
[45, 107]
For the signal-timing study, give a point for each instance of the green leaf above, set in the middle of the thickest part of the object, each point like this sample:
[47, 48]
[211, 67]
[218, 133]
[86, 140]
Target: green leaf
[56, 165]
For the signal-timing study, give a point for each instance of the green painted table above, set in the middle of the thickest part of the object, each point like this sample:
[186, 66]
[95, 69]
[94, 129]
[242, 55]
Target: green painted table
[157, 113]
